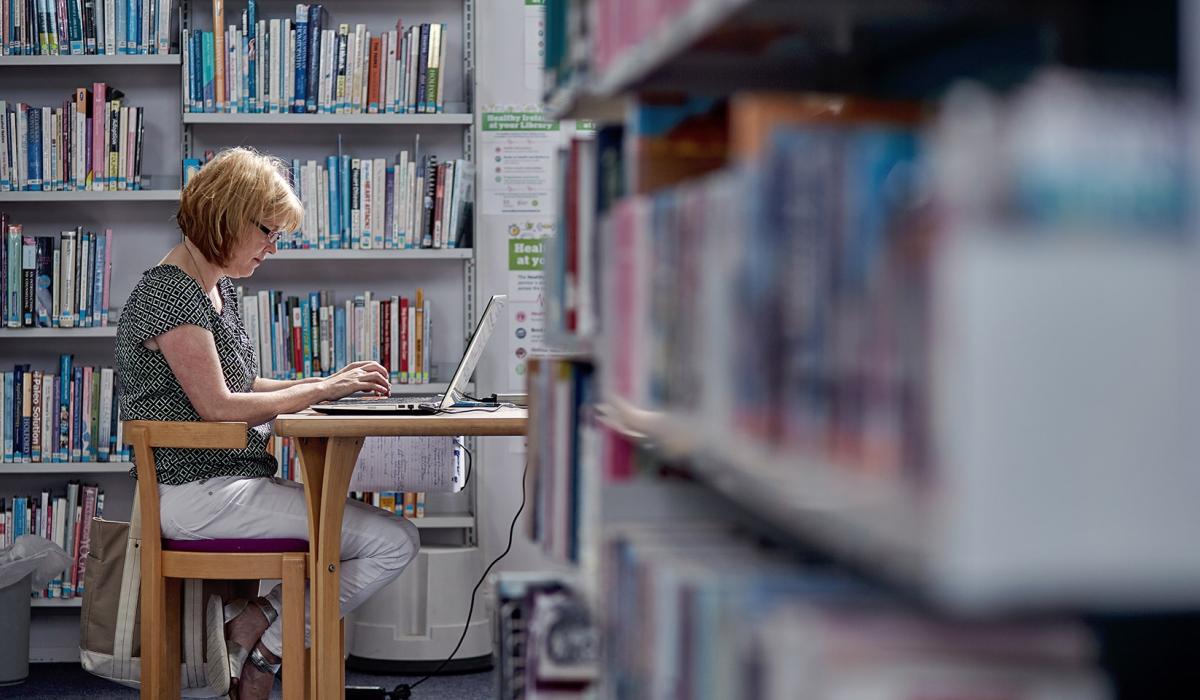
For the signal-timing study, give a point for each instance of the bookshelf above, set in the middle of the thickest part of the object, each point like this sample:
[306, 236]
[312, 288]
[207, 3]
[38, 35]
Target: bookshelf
[1008, 489]
[143, 233]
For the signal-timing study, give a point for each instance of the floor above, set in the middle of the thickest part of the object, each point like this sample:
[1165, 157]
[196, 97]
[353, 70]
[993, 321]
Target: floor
[60, 681]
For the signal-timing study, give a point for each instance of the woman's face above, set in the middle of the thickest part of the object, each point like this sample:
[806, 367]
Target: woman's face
[253, 246]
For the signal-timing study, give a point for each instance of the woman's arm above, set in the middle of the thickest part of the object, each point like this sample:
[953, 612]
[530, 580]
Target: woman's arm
[192, 356]
[264, 384]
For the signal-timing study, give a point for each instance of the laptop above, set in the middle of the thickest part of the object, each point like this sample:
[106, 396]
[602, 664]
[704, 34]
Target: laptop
[399, 403]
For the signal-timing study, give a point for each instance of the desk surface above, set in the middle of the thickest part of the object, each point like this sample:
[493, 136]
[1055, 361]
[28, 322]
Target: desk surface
[460, 421]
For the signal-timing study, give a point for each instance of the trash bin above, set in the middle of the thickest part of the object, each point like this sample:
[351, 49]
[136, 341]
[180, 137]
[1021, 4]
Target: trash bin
[31, 562]
[14, 641]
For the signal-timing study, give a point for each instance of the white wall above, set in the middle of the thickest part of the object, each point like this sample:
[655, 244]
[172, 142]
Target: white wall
[500, 80]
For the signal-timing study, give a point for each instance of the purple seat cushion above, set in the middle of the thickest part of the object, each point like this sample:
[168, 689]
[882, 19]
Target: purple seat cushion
[233, 546]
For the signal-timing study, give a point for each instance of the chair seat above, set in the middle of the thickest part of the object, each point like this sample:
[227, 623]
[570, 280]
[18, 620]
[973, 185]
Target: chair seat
[230, 546]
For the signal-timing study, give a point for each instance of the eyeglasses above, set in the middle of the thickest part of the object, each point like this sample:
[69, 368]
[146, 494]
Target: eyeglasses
[272, 236]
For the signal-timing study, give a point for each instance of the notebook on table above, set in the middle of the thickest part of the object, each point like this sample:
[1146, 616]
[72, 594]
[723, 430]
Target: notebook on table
[407, 404]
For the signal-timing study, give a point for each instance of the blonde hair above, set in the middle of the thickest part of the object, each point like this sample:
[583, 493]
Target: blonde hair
[240, 187]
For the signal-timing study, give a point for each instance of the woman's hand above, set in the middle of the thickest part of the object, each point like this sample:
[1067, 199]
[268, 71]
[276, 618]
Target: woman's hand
[366, 376]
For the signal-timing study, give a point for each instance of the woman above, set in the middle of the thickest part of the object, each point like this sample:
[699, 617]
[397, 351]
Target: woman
[183, 354]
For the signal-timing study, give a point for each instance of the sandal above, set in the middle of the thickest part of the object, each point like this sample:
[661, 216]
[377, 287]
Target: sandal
[236, 654]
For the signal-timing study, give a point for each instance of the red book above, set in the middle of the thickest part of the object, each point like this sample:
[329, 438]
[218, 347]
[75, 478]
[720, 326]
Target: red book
[75, 549]
[373, 76]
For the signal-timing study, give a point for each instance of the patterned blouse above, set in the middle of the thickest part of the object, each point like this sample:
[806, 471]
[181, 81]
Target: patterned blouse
[167, 297]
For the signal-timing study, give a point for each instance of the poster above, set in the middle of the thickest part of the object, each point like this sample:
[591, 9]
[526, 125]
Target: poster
[526, 240]
[516, 163]
[535, 43]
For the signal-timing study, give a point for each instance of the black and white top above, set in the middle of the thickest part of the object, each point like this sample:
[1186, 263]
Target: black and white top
[167, 297]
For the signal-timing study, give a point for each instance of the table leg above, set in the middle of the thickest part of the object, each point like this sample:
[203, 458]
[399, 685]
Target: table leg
[340, 455]
[312, 466]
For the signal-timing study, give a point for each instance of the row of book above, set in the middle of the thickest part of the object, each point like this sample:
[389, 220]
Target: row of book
[804, 327]
[85, 27]
[408, 504]
[53, 282]
[561, 397]
[313, 336]
[64, 520]
[91, 142]
[413, 202]
[305, 65]
[693, 610]
[72, 416]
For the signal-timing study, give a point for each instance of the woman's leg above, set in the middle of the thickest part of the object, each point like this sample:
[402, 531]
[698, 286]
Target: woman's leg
[376, 545]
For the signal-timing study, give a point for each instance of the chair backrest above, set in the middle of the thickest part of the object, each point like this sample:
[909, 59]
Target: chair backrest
[145, 435]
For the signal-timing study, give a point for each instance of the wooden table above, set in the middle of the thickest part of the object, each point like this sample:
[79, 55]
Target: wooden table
[328, 448]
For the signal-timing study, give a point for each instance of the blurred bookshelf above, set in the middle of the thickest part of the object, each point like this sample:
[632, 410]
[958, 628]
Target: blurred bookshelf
[895, 399]
[72, 61]
[368, 255]
[329, 119]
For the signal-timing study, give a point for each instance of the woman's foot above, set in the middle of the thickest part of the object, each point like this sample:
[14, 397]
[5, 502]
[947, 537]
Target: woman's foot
[256, 683]
[245, 629]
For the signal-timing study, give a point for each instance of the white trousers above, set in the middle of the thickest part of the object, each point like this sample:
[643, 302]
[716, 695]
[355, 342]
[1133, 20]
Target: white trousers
[376, 545]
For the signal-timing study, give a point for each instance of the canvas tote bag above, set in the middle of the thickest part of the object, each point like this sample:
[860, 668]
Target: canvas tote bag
[109, 629]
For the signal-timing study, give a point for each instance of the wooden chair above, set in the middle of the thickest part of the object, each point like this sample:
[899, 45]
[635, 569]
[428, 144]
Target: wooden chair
[163, 569]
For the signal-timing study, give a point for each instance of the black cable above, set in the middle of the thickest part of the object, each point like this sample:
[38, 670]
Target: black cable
[404, 690]
[470, 459]
[458, 411]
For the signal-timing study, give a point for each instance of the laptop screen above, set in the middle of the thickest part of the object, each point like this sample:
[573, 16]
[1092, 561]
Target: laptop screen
[466, 366]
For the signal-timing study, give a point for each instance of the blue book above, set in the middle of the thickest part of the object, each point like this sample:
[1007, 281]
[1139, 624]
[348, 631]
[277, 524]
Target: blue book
[389, 202]
[191, 166]
[344, 171]
[245, 101]
[209, 86]
[33, 139]
[77, 415]
[122, 29]
[422, 63]
[7, 428]
[20, 522]
[300, 85]
[314, 57]
[297, 237]
[335, 215]
[196, 59]
[74, 28]
[98, 246]
[83, 313]
[314, 319]
[65, 373]
[339, 337]
[305, 338]
[17, 402]
[253, 48]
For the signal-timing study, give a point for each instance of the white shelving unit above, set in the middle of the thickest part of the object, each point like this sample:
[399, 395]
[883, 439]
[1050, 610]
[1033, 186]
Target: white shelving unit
[89, 196]
[329, 119]
[39, 468]
[109, 331]
[77, 61]
[368, 255]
